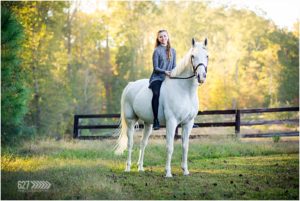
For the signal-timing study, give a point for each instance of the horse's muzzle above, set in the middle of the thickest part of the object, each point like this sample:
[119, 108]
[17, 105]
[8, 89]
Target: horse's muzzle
[199, 79]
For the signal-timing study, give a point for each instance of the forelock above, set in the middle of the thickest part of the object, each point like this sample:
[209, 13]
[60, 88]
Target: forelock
[199, 46]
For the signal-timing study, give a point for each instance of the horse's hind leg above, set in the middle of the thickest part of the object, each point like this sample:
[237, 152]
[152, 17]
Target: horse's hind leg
[130, 131]
[144, 142]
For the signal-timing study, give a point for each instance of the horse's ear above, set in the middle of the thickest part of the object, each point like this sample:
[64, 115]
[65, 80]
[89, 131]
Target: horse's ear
[205, 42]
[193, 42]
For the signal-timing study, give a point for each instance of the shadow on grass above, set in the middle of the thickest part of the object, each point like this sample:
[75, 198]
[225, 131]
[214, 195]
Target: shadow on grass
[74, 182]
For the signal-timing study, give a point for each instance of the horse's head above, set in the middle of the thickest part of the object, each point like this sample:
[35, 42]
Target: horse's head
[199, 60]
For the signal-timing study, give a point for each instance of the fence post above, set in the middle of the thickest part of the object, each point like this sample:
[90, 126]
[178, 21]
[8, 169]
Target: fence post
[237, 122]
[75, 131]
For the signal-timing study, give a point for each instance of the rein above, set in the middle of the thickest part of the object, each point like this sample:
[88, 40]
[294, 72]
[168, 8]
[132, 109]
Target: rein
[194, 69]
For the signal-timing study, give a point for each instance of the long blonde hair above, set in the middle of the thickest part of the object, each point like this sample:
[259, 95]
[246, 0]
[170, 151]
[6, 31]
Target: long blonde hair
[157, 43]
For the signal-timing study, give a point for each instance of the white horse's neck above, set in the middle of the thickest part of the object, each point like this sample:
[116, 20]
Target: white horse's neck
[184, 69]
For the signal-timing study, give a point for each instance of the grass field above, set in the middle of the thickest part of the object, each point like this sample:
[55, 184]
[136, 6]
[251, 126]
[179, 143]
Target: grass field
[220, 169]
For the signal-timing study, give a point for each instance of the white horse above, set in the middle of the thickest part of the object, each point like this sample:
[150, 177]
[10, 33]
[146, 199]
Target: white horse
[178, 104]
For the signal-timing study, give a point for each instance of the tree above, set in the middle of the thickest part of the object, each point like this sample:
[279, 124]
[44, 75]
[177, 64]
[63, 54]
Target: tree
[44, 59]
[14, 91]
[79, 63]
[288, 56]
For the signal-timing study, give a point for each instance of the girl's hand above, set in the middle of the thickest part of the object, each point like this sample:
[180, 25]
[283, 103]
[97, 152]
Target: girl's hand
[168, 73]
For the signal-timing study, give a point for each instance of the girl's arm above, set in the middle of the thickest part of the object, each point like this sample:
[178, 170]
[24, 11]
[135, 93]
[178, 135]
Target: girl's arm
[155, 58]
[174, 59]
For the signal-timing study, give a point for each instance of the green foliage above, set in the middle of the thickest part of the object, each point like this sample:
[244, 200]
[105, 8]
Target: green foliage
[14, 92]
[288, 56]
[44, 58]
[276, 139]
[79, 63]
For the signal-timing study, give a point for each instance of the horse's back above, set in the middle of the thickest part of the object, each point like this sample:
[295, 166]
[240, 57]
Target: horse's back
[132, 95]
[133, 88]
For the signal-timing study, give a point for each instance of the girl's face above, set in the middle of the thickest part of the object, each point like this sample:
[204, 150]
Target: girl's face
[163, 38]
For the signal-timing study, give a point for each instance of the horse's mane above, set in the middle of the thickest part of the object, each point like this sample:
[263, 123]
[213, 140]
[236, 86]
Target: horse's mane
[183, 63]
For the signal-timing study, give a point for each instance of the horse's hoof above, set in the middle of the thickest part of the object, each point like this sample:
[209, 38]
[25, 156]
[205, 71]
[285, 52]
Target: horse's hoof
[186, 173]
[168, 176]
[127, 169]
[141, 170]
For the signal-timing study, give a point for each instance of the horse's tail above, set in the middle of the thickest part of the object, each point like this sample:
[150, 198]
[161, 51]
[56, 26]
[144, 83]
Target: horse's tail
[123, 139]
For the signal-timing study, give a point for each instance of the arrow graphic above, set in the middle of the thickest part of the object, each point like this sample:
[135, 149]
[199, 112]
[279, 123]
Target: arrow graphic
[40, 185]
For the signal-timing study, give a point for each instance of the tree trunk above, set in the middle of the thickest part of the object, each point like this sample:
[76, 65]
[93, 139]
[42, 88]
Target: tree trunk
[108, 77]
[36, 103]
[235, 102]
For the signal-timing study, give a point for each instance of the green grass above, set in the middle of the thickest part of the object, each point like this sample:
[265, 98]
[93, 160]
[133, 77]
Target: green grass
[220, 169]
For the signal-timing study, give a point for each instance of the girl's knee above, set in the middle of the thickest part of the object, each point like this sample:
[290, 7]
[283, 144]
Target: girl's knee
[156, 93]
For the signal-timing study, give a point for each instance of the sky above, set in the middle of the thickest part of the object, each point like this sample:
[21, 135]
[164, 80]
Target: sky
[283, 12]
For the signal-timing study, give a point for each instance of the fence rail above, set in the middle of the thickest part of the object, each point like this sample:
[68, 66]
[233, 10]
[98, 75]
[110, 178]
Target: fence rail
[237, 123]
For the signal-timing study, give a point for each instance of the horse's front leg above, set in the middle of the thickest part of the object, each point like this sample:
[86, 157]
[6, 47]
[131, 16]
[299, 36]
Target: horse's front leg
[171, 126]
[186, 130]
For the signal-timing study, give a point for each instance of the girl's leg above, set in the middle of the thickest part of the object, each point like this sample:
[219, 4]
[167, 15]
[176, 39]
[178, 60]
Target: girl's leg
[155, 86]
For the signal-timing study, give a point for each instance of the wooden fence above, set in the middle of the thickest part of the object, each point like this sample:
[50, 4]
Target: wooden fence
[237, 123]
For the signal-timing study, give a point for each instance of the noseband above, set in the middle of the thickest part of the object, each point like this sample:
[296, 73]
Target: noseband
[194, 70]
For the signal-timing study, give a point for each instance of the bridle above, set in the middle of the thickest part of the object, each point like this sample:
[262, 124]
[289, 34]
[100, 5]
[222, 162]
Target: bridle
[194, 70]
